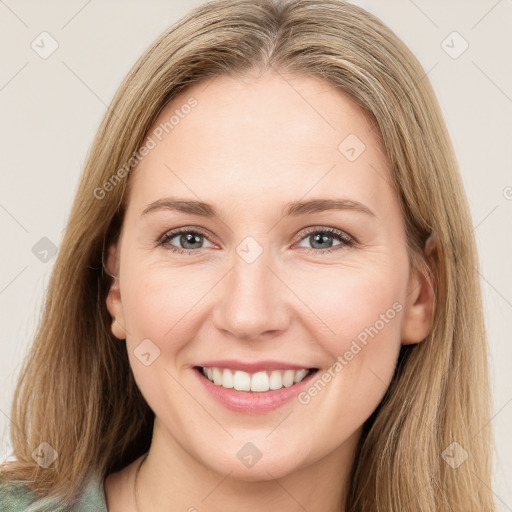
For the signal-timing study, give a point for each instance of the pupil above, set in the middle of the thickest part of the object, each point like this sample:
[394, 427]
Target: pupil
[322, 238]
[190, 238]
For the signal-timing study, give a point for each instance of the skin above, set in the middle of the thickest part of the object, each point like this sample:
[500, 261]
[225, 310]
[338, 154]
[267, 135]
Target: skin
[250, 146]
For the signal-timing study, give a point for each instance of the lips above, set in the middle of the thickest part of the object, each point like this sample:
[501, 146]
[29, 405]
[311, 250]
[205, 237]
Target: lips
[249, 401]
[255, 386]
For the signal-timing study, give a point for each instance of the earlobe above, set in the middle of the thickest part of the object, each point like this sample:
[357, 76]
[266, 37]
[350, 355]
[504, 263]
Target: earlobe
[419, 312]
[113, 300]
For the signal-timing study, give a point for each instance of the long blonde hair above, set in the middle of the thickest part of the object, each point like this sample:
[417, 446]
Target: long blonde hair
[76, 391]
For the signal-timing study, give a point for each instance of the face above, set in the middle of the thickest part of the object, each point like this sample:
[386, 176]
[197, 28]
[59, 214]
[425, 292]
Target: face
[297, 261]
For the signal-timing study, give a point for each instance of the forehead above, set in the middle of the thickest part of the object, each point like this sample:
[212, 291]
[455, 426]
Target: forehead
[254, 138]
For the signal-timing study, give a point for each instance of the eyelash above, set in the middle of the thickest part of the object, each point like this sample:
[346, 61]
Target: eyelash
[346, 241]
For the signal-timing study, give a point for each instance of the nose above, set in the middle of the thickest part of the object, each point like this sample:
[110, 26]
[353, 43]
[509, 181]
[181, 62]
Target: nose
[252, 301]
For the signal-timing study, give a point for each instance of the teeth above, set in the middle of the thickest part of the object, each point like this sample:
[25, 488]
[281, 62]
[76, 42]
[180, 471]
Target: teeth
[300, 375]
[259, 381]
[241, 381]
[227, 379]
[275, 381]
[288, 377]
[217, 376]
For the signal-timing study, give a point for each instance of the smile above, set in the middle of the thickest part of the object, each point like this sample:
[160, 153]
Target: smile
[260, 381]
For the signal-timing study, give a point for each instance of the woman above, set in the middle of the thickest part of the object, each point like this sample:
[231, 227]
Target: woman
[267, 295]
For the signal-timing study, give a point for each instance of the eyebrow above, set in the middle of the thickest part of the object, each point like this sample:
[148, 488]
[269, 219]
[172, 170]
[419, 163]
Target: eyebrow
[294, 208]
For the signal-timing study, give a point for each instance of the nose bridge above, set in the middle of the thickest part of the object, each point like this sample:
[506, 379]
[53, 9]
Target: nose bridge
[253, 299]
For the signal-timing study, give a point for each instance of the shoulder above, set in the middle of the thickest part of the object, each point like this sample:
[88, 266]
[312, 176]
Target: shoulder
[15, 497]
[18, 497]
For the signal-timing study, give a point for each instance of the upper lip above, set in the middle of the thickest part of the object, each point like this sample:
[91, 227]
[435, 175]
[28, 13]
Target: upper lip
[253, 366]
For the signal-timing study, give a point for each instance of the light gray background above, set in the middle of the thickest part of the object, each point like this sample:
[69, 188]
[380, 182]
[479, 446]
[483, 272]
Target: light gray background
[52, 107]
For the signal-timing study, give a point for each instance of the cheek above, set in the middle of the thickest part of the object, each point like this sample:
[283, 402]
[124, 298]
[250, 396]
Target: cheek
[158, 306]
[339, 305]
[155, 301]
[358, 304]
[363, 308]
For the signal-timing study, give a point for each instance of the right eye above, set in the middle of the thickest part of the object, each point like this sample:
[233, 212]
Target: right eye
[188, 240]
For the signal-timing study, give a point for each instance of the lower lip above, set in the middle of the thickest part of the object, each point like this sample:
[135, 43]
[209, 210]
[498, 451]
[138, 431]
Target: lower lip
[253, 401]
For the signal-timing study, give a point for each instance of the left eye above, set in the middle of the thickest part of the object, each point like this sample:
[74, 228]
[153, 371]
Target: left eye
[323, 238]
[191, 240]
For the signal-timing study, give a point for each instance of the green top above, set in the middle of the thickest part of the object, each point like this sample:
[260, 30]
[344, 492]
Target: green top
[17, 497]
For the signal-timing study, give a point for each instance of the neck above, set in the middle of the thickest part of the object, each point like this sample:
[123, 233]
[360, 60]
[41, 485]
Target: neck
[170, 475]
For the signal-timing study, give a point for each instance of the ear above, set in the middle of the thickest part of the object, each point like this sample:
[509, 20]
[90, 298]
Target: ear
[114, 304]
[419, 310]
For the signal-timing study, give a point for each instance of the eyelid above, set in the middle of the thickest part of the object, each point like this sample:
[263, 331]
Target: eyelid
[325, 229]
[176, 231]
[347, 240]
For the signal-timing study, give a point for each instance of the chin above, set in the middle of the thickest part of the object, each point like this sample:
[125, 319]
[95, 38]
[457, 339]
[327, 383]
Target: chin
[271, 465]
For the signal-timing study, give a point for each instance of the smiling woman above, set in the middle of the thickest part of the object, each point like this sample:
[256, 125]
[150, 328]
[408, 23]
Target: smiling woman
[276, 306]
